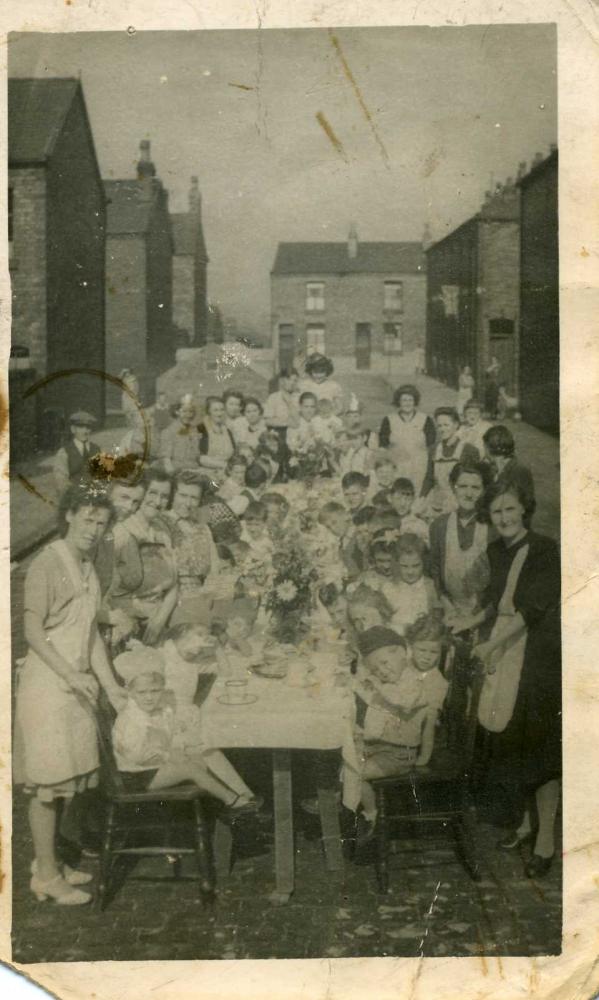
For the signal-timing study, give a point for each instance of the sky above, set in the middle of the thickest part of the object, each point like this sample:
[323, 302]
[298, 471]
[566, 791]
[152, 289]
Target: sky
[424, 121]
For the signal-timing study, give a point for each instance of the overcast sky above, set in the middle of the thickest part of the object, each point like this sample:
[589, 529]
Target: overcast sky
[434, 114]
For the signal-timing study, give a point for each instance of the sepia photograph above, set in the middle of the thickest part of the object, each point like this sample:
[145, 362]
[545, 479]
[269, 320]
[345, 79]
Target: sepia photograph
[284, 394]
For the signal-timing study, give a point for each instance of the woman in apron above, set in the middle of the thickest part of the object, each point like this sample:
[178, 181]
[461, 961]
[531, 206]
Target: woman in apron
[56, 752]
[520, 703]
[458, 548]
[408, 434]
[449, 450]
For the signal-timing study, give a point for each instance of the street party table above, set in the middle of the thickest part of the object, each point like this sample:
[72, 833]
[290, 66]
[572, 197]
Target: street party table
[277, 715]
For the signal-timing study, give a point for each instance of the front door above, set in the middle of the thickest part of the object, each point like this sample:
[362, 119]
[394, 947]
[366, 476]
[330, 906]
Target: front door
[363, 345]
[287, 345]
[501, 346]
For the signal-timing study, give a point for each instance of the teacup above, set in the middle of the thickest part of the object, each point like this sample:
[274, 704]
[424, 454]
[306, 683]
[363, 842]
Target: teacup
[236, 692]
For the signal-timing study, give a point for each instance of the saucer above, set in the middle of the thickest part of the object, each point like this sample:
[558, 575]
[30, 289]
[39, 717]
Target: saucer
[248, 699]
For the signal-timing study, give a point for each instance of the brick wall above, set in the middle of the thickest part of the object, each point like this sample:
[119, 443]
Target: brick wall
[499, 281]
[28, 262]
[76, 236]
[126, 340]
[159, 285]
[452, 337]
[350, 299]
[184, 293]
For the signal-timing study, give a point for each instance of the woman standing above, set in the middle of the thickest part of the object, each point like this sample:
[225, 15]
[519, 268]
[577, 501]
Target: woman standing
[318, 381]
[216, 441]
[56, 753]
[408, 434]
[195, 553]
[521, 698]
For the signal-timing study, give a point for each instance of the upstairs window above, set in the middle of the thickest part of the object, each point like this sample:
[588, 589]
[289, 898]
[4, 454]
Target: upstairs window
[315, 296]
[394, 296]
[392, 338]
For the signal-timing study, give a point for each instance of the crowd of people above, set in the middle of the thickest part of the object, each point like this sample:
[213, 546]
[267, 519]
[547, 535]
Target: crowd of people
[412, 533]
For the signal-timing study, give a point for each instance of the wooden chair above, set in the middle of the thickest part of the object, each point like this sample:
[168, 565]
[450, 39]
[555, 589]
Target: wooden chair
[441, 791]
[142, 813]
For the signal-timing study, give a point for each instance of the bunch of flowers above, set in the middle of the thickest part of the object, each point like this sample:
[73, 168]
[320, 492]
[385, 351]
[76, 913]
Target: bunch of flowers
[311, 459]
[290, 597]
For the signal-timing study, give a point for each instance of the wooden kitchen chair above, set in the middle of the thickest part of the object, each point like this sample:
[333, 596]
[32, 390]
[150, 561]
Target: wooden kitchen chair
[439, 792]
[141, 824]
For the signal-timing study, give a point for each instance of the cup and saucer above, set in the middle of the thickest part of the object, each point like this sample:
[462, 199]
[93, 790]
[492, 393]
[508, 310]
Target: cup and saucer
[236, 693]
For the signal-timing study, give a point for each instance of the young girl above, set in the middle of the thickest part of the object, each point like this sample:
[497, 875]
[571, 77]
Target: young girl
[234, 484]
[414, 593]
[189, 651]
[240, 647]
[253, 529]
[155, 748]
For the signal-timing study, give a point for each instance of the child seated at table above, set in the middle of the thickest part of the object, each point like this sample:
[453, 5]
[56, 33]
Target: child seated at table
[401, 498]
[366, 608]
[234, 484]
[155, 746]
[384, 477]
[253, 529]
[277, 511]
[189, 651]
[240, 645]
[398, 699]
[415, 593]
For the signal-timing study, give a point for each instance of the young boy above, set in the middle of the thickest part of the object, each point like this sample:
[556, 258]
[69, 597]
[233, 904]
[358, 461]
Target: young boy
[355, 490]
[401, 498]
[253, 529]
[234, 484]
[384, 475]
[304, 433]
[397, 705]
[155, 748]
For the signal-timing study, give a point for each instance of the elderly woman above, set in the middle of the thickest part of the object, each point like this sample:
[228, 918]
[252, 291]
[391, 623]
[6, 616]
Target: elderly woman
[521, 698]
[144, 580]
[216, 441]
[56, 753]
[318, 381]
[195, 553]
[408, 434]
[458, 547]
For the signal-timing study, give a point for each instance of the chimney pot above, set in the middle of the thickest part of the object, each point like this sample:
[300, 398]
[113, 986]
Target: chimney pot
[538, 158]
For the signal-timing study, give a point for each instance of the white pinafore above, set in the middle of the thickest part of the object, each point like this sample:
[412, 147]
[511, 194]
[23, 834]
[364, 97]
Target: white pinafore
[459, 562]
[500, 688]
[407, 445]
[57, 729]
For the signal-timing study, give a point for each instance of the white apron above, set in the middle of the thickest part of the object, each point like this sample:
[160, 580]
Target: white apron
[500, 689]
[459, 562]
[57, 729]
[407, 446]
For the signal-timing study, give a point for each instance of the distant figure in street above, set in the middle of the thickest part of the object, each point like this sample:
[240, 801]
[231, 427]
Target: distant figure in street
[474, 427]
[162, 413]
[466, 388]
[130, 395]
[492, 388]
[71, 462]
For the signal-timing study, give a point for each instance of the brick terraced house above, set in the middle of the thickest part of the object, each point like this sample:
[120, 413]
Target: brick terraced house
[57, 228]
[357, 302]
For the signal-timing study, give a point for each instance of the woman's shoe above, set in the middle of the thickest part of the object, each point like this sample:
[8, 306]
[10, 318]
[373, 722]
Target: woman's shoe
[70, 875]
[537, 867]
[515, 840]
[252, 806]
[56, 888]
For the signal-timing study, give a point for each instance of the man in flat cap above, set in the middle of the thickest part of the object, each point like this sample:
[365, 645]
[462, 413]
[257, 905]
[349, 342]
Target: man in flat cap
[71, 462]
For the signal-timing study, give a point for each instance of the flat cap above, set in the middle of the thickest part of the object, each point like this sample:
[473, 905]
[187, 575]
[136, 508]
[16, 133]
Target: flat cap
[83, 419]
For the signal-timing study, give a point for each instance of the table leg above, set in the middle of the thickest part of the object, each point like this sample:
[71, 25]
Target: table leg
[331, 831]
[283, 806]
[223, 849]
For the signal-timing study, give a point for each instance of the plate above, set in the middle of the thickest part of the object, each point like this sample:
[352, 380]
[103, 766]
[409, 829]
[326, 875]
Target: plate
[248, 699]
[271, 674]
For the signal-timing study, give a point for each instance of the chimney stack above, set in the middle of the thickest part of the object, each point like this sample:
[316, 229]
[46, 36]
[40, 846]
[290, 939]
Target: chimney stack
[427, 237]
[352, 242]
[146, 171]
[521, 170]
[538, 158]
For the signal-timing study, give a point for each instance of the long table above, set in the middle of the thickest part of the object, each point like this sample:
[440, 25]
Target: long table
[284, 718]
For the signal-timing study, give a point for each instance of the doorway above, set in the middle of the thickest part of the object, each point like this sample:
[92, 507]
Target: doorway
[287, 346]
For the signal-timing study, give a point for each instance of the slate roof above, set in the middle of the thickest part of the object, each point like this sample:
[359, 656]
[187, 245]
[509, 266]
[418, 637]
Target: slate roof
[37, 110]
[333, 258]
